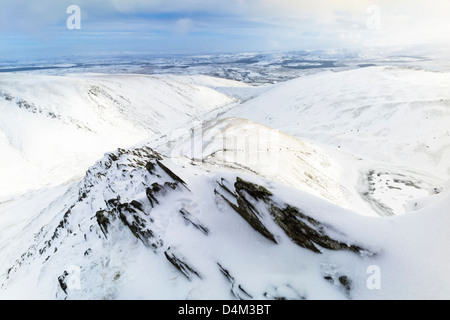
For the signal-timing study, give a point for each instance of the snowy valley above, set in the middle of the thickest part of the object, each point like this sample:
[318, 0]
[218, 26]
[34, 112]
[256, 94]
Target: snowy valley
[330, 184]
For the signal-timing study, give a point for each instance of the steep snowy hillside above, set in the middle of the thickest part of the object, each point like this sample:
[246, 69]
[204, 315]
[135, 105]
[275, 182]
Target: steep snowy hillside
[245, 145]
[53, 128]
[394, 115]
[330, 186]
[393, 123]
[144, 226]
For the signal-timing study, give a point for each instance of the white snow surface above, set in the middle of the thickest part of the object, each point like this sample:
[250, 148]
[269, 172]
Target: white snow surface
[52, 127]
[400, 116]
[363, 154]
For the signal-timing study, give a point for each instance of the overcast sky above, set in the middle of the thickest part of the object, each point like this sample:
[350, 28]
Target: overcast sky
[31, 28]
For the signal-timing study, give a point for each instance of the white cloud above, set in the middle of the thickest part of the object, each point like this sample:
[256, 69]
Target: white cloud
[184, 26]
[402, 22]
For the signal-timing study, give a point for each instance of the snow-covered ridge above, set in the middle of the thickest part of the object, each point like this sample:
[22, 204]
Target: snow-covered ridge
[137, 211]
[398, 116]
[53, 128]
[248, 146]
[264, 199]
[143, 226]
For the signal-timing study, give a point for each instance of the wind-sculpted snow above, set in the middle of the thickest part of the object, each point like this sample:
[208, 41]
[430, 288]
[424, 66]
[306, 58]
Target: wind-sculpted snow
[301, 229]
[330, 186]
[133, 206]
[367, 119]
[241, 144]
[53, 128]
[398, 116]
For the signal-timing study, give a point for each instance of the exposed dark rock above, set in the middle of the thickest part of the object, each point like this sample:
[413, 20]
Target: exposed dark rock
[286, 292]
[171, 185]
[236, 289]
[150, 192]
[132, 214]
[150, 166]
[62, 281]
[103, 221]
[6, 95]
[128, 213]
[345, 282]
[28, 106]
[303, 230]
[194, 221]
[341, 281]
[245, 209]
[113, 203]
[181, 266]
[113, 157]
[137, 205]
[171, 173]
[255, 191]
[138, 226]
[156, 187]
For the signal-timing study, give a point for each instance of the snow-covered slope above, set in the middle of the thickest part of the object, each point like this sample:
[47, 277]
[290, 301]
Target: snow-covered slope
[144, 226]
[398, 116]
[53, 128]
[141, 226]
[390, 127]
[248, 146]
[268, 200]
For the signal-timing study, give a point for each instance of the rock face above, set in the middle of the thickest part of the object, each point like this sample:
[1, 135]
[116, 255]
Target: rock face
[194, 221]
[129, 169]
[236, 289]
[139, 227]
[132, 204]
[188, 271]
[245, 208]
[305, 231]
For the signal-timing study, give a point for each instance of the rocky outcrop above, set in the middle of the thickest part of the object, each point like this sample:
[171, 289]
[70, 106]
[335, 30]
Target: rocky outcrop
[179, 263]
[306, 231]
[303, 230]
[193, 221]
[236, 289]
[131, 197]
[244, 207]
